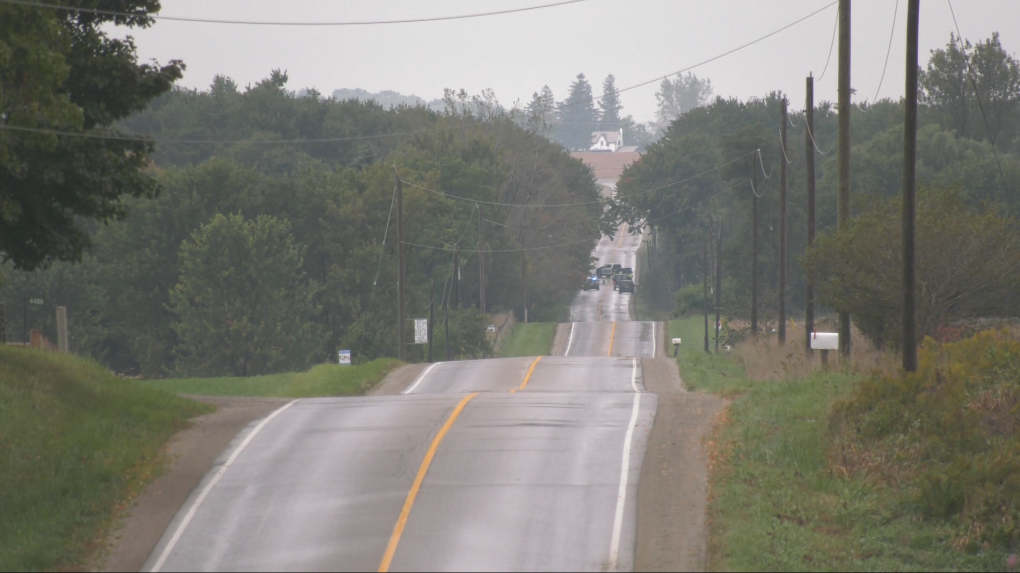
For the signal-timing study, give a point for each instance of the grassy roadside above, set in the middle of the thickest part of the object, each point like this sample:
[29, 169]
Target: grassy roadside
[775, 505]
[76, 445]
[322, 380]
[532, 339]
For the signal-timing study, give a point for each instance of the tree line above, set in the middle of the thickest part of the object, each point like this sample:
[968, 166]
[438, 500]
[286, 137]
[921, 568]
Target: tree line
[710, 160]
[263, 249]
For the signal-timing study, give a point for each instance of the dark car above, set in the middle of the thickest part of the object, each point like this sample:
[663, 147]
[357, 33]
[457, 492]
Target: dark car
[590, 283]
[627, 271]
[625, 285]
[616, 280]
[617, 267]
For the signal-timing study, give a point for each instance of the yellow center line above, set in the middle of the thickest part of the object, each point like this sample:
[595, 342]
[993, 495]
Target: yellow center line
[527, 376]
[398, 530]
[612, 337]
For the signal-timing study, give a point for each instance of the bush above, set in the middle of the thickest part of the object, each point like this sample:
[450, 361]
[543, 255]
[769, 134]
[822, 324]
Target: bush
[948, 435]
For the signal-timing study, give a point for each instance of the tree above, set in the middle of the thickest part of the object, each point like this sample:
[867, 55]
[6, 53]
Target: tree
[968, 265]
[541, 111]
[60, 71]
[578, 116]
[963, 80]
[680, 95]
[242, 306]
[610, 105]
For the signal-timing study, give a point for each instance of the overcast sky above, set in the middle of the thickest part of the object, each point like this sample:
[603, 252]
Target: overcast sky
[516, 54]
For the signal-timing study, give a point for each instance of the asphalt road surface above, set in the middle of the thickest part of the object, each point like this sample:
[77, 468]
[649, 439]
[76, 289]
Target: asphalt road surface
[520, 464]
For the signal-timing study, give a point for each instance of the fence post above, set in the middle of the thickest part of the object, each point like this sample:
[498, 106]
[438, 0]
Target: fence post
[62, 329]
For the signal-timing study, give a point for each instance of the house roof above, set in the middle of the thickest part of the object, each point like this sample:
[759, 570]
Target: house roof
[611, 136]
[606, 165]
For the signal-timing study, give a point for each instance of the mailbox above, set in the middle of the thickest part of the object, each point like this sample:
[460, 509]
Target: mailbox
[824, 341]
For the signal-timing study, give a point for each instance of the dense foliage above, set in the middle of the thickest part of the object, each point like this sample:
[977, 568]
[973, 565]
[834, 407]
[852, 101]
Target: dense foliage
[294, 196]
[947, 436]
[702, 171]
[60, 71]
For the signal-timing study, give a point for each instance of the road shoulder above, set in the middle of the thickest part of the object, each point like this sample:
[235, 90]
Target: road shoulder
[672, 533]
[191, 454]
[559, 345]
[398, 380]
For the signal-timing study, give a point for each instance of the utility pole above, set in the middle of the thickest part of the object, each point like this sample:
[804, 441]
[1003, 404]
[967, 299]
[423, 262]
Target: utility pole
[782, 232]
[909, 188]
[456, 277]
[3, 325]
[718, 285]
[754, 245]
[432, 304]
[402, 350]
[809, 122]
[446, 320]
[843, 161]
[481, 264]
[705, 299]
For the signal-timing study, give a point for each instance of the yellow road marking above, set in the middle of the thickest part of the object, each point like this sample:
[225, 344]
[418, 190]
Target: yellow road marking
[527, 376]
[612, 337]
[398, 530]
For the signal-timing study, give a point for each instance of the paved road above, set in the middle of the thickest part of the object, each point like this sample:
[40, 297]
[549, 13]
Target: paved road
[512, 464]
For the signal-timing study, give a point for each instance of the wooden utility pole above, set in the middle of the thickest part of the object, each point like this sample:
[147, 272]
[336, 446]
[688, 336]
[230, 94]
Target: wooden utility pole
[754, 245]
[3, 325]
[402, 350]
[718, 285]
[909, 188]
[481, 265]
[843, 161]
[705, 299]
[456, 277]
[432, 304]
[782, 231]
[809, 145]
[446, 326]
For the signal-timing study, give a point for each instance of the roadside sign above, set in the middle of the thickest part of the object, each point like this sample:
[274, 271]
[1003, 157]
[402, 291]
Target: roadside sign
[35, 301]
[421, 331]
[345, 358]
[491, 328]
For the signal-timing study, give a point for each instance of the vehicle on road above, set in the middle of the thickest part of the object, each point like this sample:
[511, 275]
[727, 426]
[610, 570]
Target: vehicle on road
[590, 284]
[616, 280]
[605, 271]
[626, 285]
[617, 267]
[627, 271]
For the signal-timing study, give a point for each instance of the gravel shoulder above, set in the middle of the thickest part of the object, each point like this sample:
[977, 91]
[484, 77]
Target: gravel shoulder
[398, 380]
[191, 454]
[559, 345]
[672, 529]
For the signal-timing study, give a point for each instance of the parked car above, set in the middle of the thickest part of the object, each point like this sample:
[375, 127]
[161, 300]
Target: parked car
[605, 271]
[590, 283]
[616, 280]
[617, 267]
[626, 285]
[627, 271]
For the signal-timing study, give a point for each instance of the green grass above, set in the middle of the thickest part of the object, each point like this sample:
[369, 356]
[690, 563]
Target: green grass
[322, 380]
[776, 506]
[76, 444]
[532, 339]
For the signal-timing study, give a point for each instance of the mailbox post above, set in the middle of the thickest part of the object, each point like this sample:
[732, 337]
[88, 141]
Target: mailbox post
[676, 347]
[825, 341]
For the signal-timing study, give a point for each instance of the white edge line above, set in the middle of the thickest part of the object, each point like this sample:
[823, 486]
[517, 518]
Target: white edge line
[212, 483]
[633, 376]
[621, 496]
[420, 378]
[570, 338]
[653, 339]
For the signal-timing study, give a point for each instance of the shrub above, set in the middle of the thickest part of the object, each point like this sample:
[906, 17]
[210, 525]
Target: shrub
[948, 434]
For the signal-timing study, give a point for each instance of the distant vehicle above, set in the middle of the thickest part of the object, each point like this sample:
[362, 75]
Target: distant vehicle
[605, 271]
[626, 285]
[617, 267]
[590, 283]
[616, 280]
[627, 271]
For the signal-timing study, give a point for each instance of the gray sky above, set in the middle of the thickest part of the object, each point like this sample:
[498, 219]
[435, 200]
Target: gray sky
[636, 40]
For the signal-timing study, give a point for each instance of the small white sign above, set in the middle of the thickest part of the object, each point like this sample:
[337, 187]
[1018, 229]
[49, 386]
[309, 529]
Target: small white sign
[421, 331]
[35, 301]
[345, 358]
[490, 328]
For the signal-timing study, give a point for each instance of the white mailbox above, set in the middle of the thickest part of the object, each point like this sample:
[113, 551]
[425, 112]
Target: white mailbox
[676, 342]
[825, 341]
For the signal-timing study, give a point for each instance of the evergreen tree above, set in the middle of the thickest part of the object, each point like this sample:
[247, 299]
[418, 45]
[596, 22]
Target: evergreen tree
[578, 116]
[610, 105]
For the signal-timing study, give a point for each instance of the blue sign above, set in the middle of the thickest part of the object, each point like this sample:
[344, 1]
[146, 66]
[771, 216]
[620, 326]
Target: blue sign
[345, 358]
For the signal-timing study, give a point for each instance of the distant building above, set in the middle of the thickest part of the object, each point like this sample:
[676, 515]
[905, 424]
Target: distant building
[606, 141]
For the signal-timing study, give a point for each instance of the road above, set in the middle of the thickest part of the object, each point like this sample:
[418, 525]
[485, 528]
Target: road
[507, 464]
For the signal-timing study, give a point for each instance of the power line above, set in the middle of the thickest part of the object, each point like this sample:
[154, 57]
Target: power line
[502, 250]
[832, 43]
[693, 205]
[887, 50]
[781, 146]
[713, 58]
[258, 23]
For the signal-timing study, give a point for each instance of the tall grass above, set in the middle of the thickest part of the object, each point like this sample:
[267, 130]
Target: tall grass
[76, 444]
[322, 380]
[776, 502]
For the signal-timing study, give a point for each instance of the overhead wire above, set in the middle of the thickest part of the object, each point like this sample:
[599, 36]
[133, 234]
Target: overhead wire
[783, 147]
[435, 248]
[813, 142]
[832, 43]
[265, 23]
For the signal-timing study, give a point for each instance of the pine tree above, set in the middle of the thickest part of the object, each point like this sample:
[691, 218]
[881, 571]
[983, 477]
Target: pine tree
[610, 105]
[578, 116]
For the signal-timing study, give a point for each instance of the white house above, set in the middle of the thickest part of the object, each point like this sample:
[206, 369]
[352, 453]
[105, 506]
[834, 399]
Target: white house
[606, 140]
